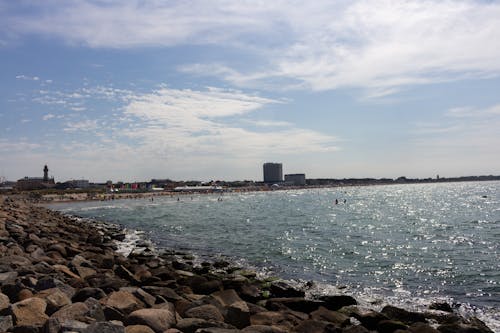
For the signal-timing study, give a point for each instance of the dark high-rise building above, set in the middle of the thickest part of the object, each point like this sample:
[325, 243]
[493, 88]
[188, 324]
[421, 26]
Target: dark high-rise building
[273, 172]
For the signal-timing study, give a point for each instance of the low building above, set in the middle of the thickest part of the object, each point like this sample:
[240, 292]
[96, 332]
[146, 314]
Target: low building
[297, 179]
[36, 183]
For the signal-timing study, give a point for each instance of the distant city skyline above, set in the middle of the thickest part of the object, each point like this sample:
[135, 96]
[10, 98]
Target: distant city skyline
[213, 89]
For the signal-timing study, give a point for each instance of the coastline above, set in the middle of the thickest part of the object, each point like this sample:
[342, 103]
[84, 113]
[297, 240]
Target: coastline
[61, 274]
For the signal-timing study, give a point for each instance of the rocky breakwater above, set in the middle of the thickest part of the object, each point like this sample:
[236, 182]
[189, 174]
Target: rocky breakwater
[59, 274]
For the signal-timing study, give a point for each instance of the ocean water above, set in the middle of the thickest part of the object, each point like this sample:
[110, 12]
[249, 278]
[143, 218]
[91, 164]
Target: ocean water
[407, 245]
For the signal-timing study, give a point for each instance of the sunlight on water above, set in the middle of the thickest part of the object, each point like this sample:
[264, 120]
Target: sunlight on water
[426, 242]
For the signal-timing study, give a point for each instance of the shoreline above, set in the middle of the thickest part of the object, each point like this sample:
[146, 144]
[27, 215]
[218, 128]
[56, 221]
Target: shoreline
[45, 253]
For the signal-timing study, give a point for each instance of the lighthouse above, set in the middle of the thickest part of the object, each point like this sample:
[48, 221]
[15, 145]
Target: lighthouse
[45, 174]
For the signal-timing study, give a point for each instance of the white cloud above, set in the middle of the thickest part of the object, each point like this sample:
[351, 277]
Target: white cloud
[28, 78]
[48, 116]
[318, 45]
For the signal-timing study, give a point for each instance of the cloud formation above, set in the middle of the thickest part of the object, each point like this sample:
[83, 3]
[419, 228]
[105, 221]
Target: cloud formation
[377, 45]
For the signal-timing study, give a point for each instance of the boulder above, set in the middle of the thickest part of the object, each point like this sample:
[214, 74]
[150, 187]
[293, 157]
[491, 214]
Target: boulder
[282, 320]
[336, 302]
[146, 298]
[315, 326]
[48, 282]
[339, 319]
[6, 323]
[4, 303]
[294, 303]
[123, 301]
[75, 311]
[402, 315]
[282, 289]
[158, 319]
[422, 328]
[138, 329]
[67, 325]
[262, 329]
[192, 325]
[207, 312]
[87, 292]
[55, 299]
[8, 277]
[389, 326]
[29, 312]
[104, 327]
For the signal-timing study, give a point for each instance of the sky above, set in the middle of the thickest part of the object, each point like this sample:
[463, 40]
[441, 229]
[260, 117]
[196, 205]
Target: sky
[211, 90]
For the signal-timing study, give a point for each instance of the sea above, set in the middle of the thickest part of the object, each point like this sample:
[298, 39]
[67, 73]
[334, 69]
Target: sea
[405, 245]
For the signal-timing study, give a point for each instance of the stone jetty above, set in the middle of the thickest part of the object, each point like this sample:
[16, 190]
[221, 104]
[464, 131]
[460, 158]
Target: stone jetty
[63, 274]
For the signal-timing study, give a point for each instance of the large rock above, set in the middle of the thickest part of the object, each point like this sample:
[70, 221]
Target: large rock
[4, 302]
[48, 282]
[75, 311]
[192, 325]
[87, 292]
[104, 327]
[29, 312]
[262, 329]
[335, 317]
[55, 299]
[138, 329]
[282, 289]
[158, 319]
[123, 301]
[282, 320]
[7, 277]
[315, 326]
[294, 303]
[6, 323]
[402, 315]
[207, 312]
[336, 302]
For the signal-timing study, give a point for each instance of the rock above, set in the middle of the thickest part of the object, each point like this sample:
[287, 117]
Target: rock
[15, 261]
[29, 312]
[389, 326]
[24, 294]
[191, 325]
[217, 330]
[158, 319]
[55, 299]
[85, 272]
[105, 282]
[336, 302]
[123, 301]
[356, 329]
[282, 320]
[207, 312]
[146, 298]
[335, 317]
[167, 293]
[96, 311]
[294, 303]
[84, 293]
[402, 315]
[207, 287]
[111, 313]
[48, 282]
[6, 323]
[315, 326]
[4, 303]
[227, 297]
[104, 327]
[282, 289]
[75, 311]
[68, 325]
[441, 306]
[65, 270]
[8, 277]
[262, 329]
[238, 314]
[422, 328]
[138, 329]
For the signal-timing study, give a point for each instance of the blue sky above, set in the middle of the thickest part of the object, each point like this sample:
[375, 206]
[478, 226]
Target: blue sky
[213, 89]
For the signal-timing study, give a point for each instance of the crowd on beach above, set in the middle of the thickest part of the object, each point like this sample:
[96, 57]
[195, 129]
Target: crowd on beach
[64, 274]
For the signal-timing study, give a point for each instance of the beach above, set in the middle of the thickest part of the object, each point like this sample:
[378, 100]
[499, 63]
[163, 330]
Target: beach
[65, 274]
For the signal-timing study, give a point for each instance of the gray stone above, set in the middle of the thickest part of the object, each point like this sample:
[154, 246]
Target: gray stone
[7, 277]
[4, 302]
[105, 327]
[6, 323]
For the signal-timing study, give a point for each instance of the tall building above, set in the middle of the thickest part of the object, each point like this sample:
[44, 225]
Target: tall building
[273, 172]
[36, 183]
